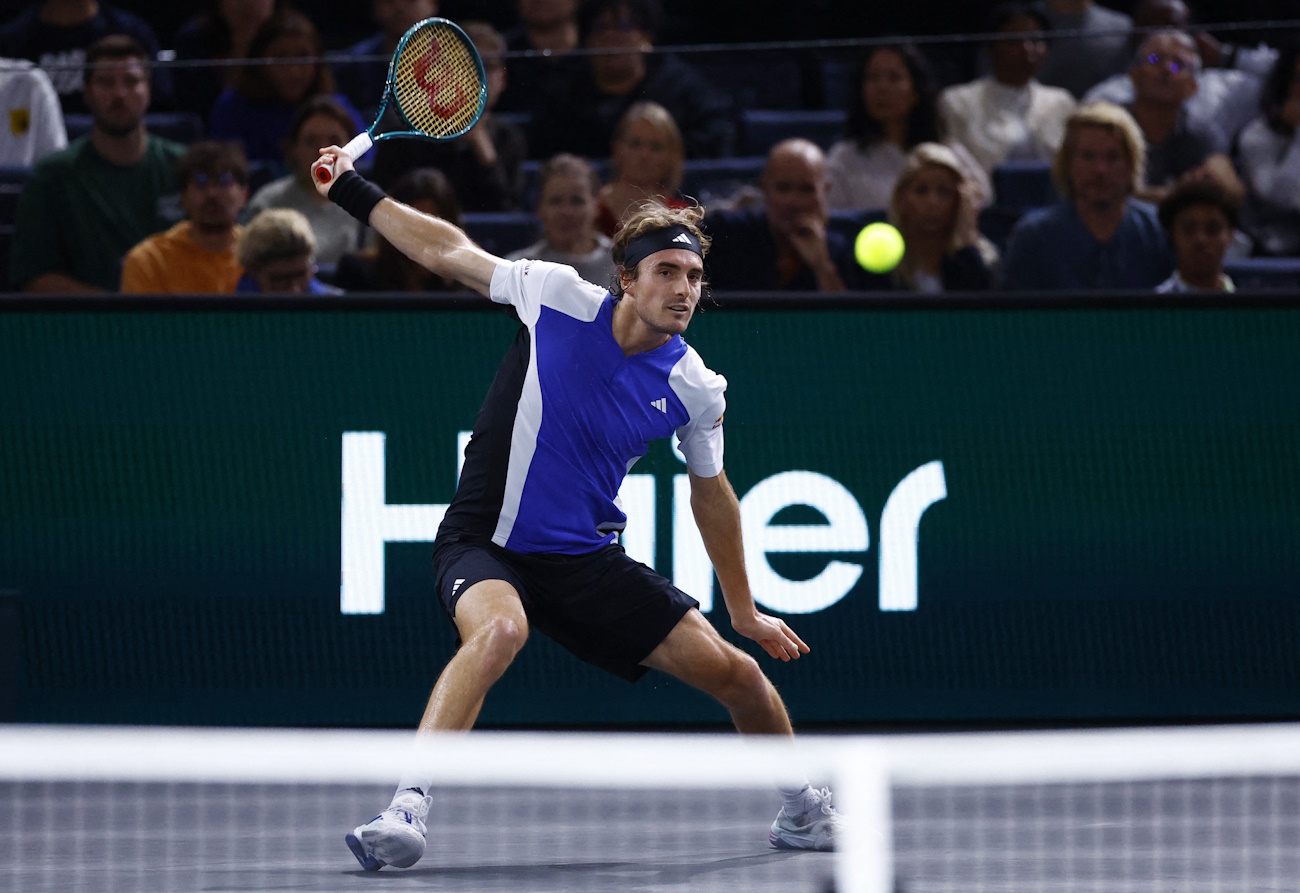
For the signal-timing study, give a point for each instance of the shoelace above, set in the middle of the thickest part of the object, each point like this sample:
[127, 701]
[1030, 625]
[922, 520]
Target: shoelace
[419, 809]
[823, 802]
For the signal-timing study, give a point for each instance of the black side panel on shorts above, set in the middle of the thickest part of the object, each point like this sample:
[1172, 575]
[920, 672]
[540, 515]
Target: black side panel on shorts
[474, 510]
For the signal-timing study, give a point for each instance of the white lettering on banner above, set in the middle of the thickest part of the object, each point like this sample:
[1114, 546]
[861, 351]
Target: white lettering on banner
[369, 522]
[900, 532]
[846, 531]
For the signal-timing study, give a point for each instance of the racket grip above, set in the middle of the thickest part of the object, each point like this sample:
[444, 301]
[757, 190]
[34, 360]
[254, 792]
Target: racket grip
[356, 147]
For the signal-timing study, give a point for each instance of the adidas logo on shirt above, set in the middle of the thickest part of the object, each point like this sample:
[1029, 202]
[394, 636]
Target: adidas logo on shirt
[661, 404]
[682, 237]
[456, 585]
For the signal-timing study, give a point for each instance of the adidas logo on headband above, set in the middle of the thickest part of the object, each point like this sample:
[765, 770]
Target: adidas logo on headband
[682, 237]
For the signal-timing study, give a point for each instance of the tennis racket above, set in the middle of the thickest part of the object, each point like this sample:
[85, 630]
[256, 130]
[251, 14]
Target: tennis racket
[437, 84]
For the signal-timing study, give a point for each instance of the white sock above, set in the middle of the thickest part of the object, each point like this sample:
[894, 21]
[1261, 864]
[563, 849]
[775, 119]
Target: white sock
[409, 786]
[793, 799]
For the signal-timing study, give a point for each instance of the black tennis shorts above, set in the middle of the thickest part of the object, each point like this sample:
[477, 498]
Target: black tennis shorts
[604, 607]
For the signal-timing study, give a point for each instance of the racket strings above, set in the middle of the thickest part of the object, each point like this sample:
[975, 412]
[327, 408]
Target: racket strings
[438, 82]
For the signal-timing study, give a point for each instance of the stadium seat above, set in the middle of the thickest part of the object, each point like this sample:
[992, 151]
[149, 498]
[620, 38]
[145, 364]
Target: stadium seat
[501, 233]
[12, 181]
[183, 127]
[764, 128]
[712, 179]
[754, 83]
[996, 223]
[6, 240]
[849, 223]
[1264, 273]
[1023, 185]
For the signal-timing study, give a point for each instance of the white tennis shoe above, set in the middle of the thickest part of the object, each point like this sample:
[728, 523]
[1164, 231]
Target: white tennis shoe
[394, 837]
[813, 829]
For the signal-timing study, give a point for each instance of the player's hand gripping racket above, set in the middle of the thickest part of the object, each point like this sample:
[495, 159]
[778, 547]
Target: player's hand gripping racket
[436, 81]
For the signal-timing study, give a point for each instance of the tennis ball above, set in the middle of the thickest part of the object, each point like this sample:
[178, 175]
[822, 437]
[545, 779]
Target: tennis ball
[879, 247]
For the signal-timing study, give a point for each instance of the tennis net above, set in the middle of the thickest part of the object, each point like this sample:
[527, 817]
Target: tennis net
[1107, 811]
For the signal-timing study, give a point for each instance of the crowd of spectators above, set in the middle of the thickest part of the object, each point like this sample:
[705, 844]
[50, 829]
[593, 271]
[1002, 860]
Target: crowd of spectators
[1170, 152]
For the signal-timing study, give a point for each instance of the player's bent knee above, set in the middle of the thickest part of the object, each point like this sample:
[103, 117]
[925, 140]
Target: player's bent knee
[744, 682]
[502, 637]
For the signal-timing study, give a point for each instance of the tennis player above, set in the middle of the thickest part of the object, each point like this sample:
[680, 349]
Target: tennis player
[530, 538]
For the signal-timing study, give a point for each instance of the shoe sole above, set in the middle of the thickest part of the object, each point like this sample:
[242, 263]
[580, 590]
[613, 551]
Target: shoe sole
[368, 862]
[798, 843]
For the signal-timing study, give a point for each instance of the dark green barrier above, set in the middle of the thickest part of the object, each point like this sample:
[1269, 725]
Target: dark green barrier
[1118, 537]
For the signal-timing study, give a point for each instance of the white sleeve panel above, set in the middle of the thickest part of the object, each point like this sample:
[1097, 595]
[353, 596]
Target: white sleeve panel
[701, 391]
[529, 285]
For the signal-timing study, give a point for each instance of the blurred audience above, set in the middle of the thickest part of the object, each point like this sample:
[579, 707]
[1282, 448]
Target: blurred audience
[483, 165]
[1100, 236]
[55, 34]
[1226, 96]
[319, 122]
[579, 114]
[381, 267]
[645, 164]
[786, 245]
[566, 209]
[545, 26]
[222, 34]
[934, 210]
[260, 106]
[196, 255]
[35, 117]
[891, 111]
[277, 251]
[1079, 63]
[1178, 146]
[363, 81]
[1269, 153]
[1200, 217]
[1009, 115]
[87, 205]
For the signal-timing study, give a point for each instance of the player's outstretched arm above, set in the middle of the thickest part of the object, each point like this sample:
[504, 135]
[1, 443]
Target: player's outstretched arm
[717, 514]
[435, 244]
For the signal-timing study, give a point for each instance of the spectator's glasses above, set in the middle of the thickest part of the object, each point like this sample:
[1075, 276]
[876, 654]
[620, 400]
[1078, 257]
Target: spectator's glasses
[1173, 63]
[225, 180]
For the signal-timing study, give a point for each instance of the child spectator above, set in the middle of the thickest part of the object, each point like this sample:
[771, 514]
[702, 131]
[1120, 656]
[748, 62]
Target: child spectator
[1200, 217]
[277, 251]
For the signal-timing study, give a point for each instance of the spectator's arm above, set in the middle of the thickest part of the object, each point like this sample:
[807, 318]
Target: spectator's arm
[59, 283]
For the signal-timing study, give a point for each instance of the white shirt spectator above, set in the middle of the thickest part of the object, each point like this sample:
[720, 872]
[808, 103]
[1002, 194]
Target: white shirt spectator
[998, 123]
[35, 119]
[596, 266]
[863, 179]
[1270, 165]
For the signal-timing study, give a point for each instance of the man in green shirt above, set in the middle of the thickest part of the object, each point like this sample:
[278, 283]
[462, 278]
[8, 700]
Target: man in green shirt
[85, 206]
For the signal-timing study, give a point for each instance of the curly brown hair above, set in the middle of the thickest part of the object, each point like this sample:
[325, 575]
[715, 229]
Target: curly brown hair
[649, 217]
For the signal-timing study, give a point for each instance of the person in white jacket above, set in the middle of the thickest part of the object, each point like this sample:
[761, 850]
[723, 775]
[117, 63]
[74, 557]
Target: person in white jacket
[34, 116]
[1268, 153]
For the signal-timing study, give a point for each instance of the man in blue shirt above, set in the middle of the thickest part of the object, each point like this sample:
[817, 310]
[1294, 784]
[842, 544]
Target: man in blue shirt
[1100, 237]
[530, 538]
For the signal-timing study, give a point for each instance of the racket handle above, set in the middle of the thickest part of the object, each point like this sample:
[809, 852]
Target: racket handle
[357, 146]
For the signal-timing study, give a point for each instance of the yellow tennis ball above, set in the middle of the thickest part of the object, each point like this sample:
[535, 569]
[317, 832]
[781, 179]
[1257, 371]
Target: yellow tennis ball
[879, 247]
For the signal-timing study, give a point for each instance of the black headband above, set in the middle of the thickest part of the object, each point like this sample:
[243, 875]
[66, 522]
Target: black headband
[675, 236]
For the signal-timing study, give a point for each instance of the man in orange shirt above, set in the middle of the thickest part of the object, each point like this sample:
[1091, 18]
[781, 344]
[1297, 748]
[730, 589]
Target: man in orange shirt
[196, 255]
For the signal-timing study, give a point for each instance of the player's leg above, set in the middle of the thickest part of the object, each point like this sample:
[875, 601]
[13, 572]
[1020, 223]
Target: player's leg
[695, 653]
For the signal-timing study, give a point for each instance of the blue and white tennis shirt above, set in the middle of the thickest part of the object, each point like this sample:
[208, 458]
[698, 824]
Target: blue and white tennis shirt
[568, 415]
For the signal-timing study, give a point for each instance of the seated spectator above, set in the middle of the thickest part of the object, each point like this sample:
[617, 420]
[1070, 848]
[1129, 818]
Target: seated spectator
[646, 164]
[1009, 115]
[566, 207]
[221, 34]
[892, 111]
[197, 255]
[1100, 236]
[320, 121]
[1079, 63]
[56, 34]
[545, 26]
[483, 165]
[363, 81]
[1200, 218]
[786, 245]
[259, 108]
[1227, 96]
[579, 114]
[1164, 78]
[87, 205]
[1269, 151]
[933, 209]
[381, 267]
[35, 117]
[277, 251]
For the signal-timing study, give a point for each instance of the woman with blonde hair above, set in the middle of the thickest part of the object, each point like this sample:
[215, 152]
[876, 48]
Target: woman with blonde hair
[646, 164]
[934, 207]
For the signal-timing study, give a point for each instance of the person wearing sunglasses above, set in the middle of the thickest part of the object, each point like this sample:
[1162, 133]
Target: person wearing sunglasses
[1179, 147]
[197, 255]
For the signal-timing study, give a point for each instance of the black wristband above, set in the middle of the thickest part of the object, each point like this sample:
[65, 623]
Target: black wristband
[356, 195]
